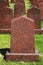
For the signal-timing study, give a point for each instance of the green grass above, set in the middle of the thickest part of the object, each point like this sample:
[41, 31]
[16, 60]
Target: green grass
[42, 24]
[5, 43]
[4, 40]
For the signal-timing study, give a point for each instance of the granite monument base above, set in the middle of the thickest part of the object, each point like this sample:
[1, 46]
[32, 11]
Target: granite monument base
[26, 57]
[5, 31]
[39, 31]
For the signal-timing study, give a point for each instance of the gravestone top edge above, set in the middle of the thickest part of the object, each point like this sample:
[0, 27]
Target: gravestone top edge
[25, 17]
[34, 7]
[22, 33]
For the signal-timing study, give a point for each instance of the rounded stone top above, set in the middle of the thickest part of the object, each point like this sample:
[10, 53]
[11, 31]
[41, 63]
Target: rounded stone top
[34, 9]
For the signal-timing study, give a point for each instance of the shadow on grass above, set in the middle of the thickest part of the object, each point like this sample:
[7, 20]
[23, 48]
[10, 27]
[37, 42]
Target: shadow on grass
[3, 51]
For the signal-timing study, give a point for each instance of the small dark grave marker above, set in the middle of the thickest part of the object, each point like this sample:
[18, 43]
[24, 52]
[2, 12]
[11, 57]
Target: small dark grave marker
[19, 9]
[4, 2]
[40, 6]
[21, 1]
[33, 2]
[12, 1]
[22, 40]
[6, 16]
[7, 3]
[34, 14]
[39, 1]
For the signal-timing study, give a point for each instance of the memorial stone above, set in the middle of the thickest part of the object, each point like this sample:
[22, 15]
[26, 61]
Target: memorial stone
[6, 16]
[40, 6]
[39, 1]
[12, 1]
[19, 9]
[7, 3]
[21, 1]
[34, 14]
[22, 40]
[33, 2]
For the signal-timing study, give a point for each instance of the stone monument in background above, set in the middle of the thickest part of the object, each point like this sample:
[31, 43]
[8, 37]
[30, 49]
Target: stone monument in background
[6, 15]
[34, 13]
[19, 8]
[12, 1]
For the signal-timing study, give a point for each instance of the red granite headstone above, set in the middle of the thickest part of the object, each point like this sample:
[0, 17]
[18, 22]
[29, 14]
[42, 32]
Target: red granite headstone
[22, 40]
[34, 14]
[12, 1]
[19, 9]
[39, 1]
[40, 6]
[7, 2]
[2, 3]
[21, 1]
[33, 2]
[6, 16]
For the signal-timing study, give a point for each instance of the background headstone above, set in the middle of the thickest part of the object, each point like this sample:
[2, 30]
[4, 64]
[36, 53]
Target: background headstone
[39, 1]
[40, 6]
[34, 13]
[21, 1]
[7, 3]
[12, 1]
[19, 9]
[6, 15]
[33, 2]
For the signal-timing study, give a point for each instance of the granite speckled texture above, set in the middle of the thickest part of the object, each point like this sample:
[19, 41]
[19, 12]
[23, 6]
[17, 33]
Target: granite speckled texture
[22, 46]
[40, 6]
[12, 1]
[6, 15]
[34, 14]
[19, 8]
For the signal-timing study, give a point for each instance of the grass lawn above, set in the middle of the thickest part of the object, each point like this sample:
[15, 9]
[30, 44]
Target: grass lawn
[5, 43]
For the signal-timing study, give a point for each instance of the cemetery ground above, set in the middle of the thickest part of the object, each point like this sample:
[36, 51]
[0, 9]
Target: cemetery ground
[5, 43]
